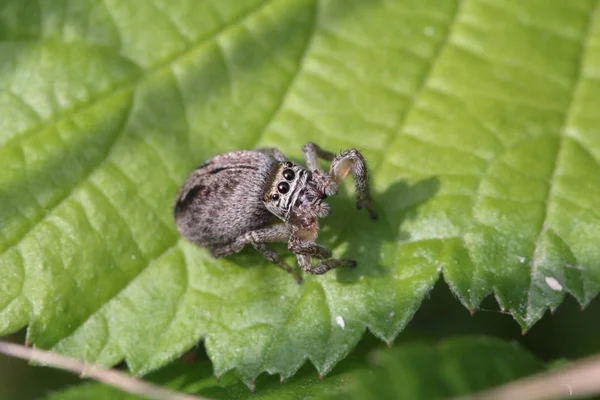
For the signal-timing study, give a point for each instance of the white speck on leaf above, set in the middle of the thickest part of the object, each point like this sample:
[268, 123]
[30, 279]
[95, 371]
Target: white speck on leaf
[340, 321]
[392, 314]
[554, 284]
[282, 298]
[522, 259]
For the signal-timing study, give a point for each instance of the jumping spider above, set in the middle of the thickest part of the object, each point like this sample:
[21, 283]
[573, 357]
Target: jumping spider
[231, 200]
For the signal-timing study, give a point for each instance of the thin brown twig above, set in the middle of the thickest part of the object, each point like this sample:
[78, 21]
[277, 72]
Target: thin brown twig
[578, 379]
[110, 377]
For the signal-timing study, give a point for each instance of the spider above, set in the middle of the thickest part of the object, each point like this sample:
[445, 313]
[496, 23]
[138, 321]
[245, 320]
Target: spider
[258, 197]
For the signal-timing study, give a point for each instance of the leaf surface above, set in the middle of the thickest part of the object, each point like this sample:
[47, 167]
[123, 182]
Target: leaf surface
[478, 119]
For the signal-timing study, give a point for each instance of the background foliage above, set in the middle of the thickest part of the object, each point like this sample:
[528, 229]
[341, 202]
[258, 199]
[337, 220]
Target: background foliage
[478, 118]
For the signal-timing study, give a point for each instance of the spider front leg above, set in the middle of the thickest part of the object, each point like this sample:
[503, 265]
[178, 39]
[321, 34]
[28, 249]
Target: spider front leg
[274, 258]
[305, 262]
[312, 153]
[258, 238]
[350, 161]
[306, 250]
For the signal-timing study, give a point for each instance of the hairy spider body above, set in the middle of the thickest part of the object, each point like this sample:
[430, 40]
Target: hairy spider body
[236, 198]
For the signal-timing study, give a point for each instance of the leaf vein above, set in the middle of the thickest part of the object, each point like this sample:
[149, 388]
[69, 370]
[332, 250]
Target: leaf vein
[129, 86]
[119, 292]
[50, 209]
[400, 125]
[294, 78]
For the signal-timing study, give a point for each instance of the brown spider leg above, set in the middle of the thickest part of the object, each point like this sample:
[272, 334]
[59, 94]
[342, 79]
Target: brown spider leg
[327, 265]
[258, 238]
[311, 154]
[351, 161]
[274, 258]
[275, 233]
[305, 262]
[308, 248]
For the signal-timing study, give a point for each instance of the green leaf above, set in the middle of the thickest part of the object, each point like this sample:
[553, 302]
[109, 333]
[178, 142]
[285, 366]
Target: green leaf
[479, 120]
[415, 370]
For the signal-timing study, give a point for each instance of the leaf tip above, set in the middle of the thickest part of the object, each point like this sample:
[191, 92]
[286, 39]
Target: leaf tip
[321, 377]
[281, 379]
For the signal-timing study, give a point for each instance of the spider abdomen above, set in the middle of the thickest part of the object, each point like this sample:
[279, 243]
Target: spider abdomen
[222, 199]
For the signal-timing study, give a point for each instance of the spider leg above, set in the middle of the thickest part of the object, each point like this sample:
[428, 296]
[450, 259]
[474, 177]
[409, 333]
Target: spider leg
[312, 153]
[351, 161]
[327, 265]
[305, 263]
[258, 238]
[307, 250]
[274, 258]
[311, 249]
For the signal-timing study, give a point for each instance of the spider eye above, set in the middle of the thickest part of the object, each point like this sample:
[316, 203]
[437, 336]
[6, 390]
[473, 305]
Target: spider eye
[288, 174]
[283, 187]
[289, 164]
[275, 197]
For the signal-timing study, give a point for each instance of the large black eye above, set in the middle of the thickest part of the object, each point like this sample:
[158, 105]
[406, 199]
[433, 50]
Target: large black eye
[275, 197]
[289, 174]
[283, 187]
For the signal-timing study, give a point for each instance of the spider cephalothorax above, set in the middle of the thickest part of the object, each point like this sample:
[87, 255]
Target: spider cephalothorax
[230, 200]
[292, 189]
